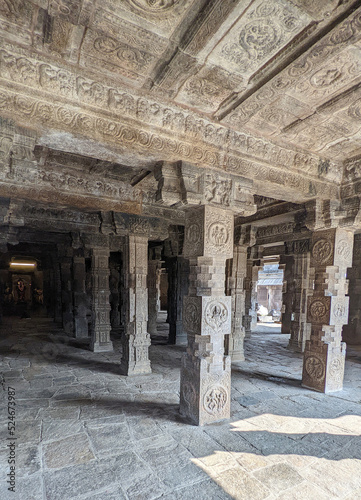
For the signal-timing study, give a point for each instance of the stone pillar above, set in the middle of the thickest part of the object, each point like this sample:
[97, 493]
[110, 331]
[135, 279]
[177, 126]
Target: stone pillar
[136, 339]
[287, 264]
[80, 298]
[206, 371]
[100, 328]
[327, 311]
[300, 330]
[352, 331]
[236, 289]
[66, 292]
[153, 282]
[250, 317]
[58, 314]
[178, 273]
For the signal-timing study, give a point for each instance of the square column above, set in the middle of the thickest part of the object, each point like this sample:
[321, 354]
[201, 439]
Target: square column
[351, 333]
[100, 331]
[153, 280]
[205, 390]
[66, 294]
[80, 298]
[300, 330]
[236, 289]
[327, 311]
[136, 339]
[178, 273]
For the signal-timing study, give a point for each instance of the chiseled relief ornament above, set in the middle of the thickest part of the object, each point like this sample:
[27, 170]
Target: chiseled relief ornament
[343, 249]
[216, 315]
[336, 370]
[191, 315]
[322, 251]
[215, 400]
[218, 233]
[153, 5]
[318, 311]
[315, 367]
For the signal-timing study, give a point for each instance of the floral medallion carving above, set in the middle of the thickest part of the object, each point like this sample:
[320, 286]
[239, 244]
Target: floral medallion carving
[216, 315]
[322, 251]
[315, 367]
[215, 400]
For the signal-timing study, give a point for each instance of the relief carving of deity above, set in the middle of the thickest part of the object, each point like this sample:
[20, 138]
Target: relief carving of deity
[218, 234]
[216, 315]
[215, 400]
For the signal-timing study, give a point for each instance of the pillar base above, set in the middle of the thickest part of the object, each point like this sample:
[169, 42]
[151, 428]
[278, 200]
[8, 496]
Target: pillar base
[205, 394]
[323, 371]
[101, 347]
[133, 369]
[237, 356]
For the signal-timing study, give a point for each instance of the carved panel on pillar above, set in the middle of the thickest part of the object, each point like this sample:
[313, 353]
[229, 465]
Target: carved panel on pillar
[324, 357]
[205, 372]
[351, 333]
[100, 340]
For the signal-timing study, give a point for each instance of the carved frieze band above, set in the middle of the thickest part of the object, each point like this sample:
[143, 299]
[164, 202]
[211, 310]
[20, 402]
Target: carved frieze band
[15, 67]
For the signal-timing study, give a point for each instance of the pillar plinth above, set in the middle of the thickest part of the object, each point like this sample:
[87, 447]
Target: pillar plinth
[136, 339]
[327, 311]
[100, 330]
[206, 372]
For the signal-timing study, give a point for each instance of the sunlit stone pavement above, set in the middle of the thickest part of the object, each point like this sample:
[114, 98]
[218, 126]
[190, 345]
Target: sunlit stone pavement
[85, 432]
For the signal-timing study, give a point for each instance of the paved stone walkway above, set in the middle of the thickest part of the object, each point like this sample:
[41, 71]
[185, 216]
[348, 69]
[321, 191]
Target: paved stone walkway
[85, 432]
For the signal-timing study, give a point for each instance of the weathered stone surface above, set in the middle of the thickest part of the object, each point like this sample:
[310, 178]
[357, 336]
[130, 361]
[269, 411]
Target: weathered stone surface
[72, 450]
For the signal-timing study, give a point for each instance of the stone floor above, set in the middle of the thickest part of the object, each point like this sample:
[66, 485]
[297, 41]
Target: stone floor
[85, 432]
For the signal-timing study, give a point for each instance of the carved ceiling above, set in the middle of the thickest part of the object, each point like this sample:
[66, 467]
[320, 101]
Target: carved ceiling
[265, 89]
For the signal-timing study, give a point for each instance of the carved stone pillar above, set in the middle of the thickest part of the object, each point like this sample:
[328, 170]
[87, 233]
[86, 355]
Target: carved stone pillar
[206, 371]
[352, 331]
[327, 311]
[153, 281]
[58, 315]
[300, 330]
[237, 291]
[178, 273]
[100, 331]
[250, 317]
[287, 263]
[136, 339]
[66, 290]
[80, 298]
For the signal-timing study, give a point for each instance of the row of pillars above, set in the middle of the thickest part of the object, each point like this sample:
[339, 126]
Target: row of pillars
[215, 317]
